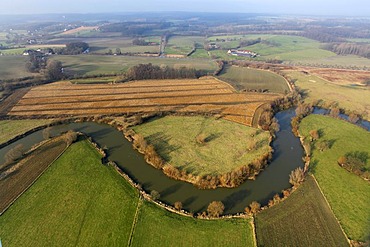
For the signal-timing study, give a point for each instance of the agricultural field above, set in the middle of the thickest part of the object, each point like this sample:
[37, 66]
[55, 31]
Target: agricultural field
[182, 45]
[11, 128]
[80, 201]
[349, 96]
[97, 64]
[12, 67]
[16, 177]
[76, 201]
[347, 193]
[195, 95]
[254, 79]
[103, 45]
[341, 76]
[227, 144]
[177, 230]
[303, 219]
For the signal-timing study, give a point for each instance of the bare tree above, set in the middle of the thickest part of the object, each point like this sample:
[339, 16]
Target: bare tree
[255, 207]
[70, 137]
[14, 153]
[46, 133]
[215, 208]
[314, 134]
[178, 205]
[296, 177]
[155, 195]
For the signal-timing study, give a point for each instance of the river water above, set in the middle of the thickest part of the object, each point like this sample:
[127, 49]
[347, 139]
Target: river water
[287, 156]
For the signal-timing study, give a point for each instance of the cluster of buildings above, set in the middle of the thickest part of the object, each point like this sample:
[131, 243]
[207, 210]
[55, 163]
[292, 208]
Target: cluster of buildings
[242, 53]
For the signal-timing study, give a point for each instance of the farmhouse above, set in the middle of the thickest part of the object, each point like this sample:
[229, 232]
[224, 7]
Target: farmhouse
[242, 53]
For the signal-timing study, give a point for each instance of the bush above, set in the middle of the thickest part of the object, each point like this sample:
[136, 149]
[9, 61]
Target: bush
[178, 205]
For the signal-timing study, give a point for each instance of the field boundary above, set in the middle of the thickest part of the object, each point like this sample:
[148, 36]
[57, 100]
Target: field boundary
[254, 232]
[327, 202]
[29, 186]
[134, 222]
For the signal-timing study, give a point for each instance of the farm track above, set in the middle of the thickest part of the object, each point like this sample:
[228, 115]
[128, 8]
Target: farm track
[185, 96]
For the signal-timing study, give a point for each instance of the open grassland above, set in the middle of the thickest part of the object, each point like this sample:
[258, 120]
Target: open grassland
[158, 227]
[347, 193]
[11, 128]
[304, 219]
[96, 64]
[316, 89]
[289, 48]
[15, 178]
[226, 147]
[182, 45]
[254, 79]
[200, 53]
[103, 45]
[195, 96]
[77, 201]
[13, 67]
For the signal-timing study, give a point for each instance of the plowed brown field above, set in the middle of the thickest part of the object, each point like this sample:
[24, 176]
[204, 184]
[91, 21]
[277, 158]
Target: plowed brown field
[193, 96]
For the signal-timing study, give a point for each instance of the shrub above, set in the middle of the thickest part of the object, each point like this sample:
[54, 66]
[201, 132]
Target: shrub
[14, 154]
[201, 139]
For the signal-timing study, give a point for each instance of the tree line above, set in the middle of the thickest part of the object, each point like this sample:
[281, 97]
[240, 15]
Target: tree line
[362, 50]
[150, 71]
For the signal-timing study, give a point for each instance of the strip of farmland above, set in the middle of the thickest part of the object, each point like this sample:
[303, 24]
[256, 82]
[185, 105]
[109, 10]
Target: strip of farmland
[187, 96]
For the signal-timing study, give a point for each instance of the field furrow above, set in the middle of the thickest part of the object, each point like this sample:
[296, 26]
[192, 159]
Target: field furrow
[186, 96]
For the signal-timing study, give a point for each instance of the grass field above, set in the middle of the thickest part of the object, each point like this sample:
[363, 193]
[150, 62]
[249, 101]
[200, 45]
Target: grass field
[182, 45]
[77, 201]
[80, 202]
[349, 97]
[13, 67]
[253, 79]
[304, 219]
[176, 230]
[102, 45]
[189, 95]
[11, 128]
[94, 64]
[227, 148]
[347, 193]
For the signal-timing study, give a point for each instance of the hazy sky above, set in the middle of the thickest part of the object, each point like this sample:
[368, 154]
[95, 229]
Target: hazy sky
[312, 7]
